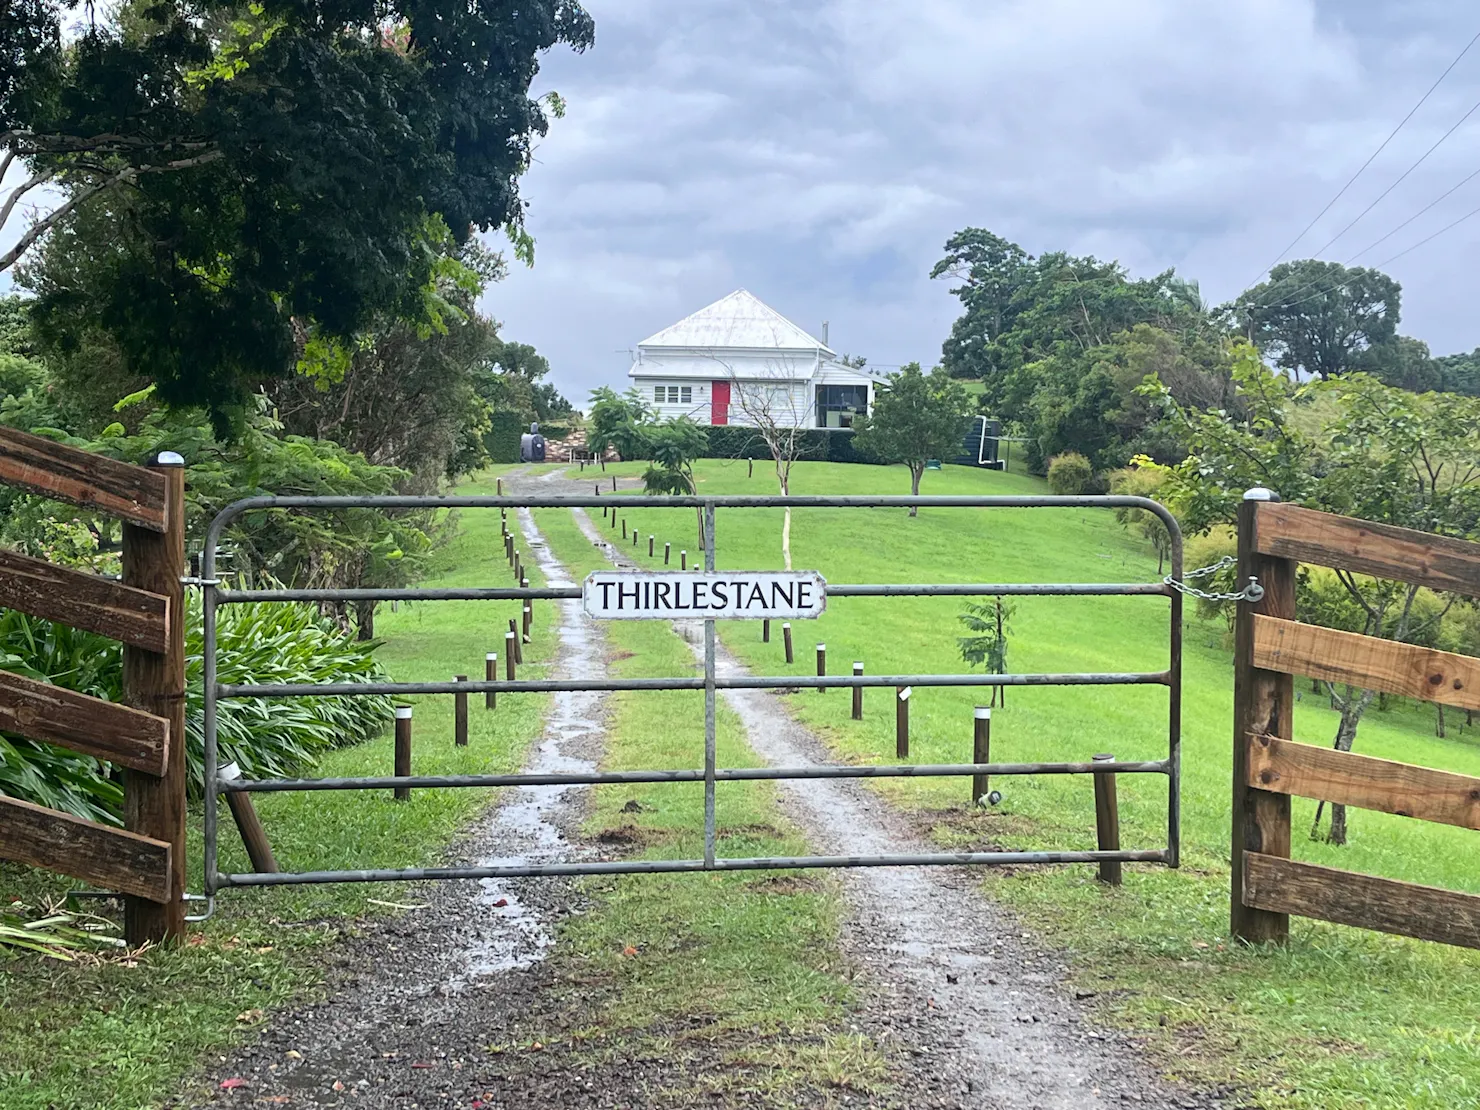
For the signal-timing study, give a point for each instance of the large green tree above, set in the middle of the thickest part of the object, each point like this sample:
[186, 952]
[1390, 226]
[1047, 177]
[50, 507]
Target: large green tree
[1321, 319]
[275, 170]
[1353, 446]
[916, 417]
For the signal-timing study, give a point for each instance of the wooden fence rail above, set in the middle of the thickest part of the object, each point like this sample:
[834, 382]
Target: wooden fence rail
[145, 860]
[1270, 647]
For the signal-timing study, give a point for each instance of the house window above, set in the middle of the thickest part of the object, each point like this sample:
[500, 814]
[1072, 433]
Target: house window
[686, 394]
[673, 394]
[839, 405]
[660, 393]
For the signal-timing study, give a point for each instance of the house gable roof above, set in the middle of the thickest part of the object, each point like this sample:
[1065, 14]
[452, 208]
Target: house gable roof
[738, 321]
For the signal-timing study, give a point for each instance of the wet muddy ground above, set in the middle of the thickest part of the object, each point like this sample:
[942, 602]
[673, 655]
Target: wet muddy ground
[452, 1005]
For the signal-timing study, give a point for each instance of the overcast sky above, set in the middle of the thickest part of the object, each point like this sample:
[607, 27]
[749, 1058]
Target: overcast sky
[820, 152]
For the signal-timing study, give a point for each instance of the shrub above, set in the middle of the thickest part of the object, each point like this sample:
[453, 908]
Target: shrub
[502, 438]
[1069, 474]
[735, 441]
[264, 643]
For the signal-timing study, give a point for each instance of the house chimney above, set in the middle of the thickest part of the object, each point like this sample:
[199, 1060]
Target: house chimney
[824, 333]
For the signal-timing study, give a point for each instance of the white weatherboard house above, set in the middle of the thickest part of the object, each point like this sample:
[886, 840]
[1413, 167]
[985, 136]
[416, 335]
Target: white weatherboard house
[740, 354]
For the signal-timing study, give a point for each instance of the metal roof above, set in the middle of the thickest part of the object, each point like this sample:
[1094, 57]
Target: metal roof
[738, 321]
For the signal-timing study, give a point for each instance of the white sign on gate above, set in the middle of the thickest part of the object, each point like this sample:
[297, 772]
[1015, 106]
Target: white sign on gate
[717, 595]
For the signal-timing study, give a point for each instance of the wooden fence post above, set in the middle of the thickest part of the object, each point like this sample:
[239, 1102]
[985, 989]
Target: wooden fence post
[403, 750]
[766, 631]
[528, 620]
[667, 551]
[490, 674]
[1263, 703]
[822, 666]
[858, 693]
[786, 638]
[981, 751]
[254, 836]
[902, 722]
[651, 540]
[683, 560]
[1107, 821]
[155, 683]
[514, 635]
[510, 654]
[460, 715]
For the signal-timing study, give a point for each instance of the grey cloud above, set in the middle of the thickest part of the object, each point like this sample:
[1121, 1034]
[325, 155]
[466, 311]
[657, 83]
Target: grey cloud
[818, 152]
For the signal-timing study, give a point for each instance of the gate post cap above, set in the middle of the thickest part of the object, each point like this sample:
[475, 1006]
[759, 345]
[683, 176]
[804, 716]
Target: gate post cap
[168, 458]
[1260, 493]
[857, 665]
[403, 712]
[983, 713]
[229, 771]
[491, 657]
[1103, 757]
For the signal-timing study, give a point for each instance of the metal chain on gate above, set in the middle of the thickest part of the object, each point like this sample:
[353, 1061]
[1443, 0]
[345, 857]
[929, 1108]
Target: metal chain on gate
[1251, 592]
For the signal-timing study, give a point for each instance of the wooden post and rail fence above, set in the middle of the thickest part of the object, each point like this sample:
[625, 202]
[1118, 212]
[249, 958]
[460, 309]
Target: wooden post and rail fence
[1270, 766]
[144, 736]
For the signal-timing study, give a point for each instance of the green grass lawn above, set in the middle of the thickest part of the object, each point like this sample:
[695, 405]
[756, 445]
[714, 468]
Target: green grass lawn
[125, 1034]
[1342, 1017]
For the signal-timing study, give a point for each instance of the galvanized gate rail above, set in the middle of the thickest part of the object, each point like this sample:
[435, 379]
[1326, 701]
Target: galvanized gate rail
[216, 594]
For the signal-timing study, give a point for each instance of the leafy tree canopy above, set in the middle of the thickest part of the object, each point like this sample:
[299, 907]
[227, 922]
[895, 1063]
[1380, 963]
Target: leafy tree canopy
[281, 168]
[1321, 318]
[916, 417]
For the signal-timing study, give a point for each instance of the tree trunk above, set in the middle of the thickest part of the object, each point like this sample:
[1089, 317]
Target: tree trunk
[1352, 709]
[364, 620]
[915, 475]
[786, 527]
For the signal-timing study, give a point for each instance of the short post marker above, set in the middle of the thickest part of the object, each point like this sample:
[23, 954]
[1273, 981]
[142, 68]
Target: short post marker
[858, 693]
[786, 638]
[254, 836]
[667, 550]
[766, 631]
[403, 750]
[902, 722]
[514, 636]
[490, 673]
[683, 560]
[460, 715]
[981, 752]
[1107, 821]
[651, 541]
[510, 640]
[821, 665]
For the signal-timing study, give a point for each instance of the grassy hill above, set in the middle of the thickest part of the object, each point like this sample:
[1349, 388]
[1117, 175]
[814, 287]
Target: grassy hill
[1349, 1018]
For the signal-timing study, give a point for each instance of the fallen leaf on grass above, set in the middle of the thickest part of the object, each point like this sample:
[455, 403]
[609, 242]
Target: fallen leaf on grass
[501, 903]
[232, 1084]
[338, 1086]
[629, 951]
[247, 1017]
[293, 1054]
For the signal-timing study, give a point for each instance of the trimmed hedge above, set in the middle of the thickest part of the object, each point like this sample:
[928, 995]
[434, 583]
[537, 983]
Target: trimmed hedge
[733, 441]
[501, 441]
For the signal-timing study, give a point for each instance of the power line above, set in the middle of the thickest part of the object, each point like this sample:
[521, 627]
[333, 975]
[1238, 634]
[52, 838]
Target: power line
[1390, 259]
[1381, 147]
[1473, 109]
[1441, 197]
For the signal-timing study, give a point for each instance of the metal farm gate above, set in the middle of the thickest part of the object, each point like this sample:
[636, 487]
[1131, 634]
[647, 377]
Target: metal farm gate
[216, 594]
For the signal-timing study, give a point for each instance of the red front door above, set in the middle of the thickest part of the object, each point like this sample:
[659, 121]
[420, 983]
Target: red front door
[719, 402]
